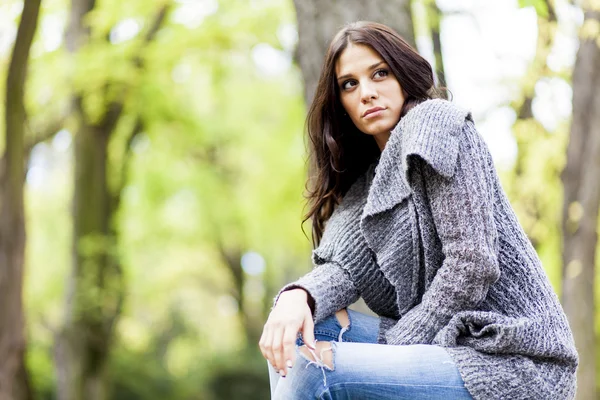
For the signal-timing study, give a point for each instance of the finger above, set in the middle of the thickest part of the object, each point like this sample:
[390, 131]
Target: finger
[308, 331]
[262, 342]
[289, 348]
[279, 362]
[268, 346]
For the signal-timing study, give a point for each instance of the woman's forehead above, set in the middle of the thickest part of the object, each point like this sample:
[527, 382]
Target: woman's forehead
[356, 58]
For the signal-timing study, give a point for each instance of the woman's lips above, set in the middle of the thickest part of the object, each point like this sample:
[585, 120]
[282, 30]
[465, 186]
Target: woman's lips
[374, 113]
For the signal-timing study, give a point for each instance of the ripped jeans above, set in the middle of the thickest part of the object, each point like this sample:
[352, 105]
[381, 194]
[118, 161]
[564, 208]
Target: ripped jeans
[363, 369]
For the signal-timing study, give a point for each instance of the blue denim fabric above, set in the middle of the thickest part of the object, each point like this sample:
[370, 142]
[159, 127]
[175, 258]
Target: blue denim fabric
[363, 369]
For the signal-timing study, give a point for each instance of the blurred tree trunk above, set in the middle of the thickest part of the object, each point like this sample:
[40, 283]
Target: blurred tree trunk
[96, 286]
[434, 17]
[582, 200]
[319, 20]
[14, 383]
[250, 317]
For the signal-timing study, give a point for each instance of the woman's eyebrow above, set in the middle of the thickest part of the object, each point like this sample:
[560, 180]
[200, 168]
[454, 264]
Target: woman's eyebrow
[369, 68]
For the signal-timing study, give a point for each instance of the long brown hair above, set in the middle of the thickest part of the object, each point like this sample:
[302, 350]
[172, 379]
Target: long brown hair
[338, 152]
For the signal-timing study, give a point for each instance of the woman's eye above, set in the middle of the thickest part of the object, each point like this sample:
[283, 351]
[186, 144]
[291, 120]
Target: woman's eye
[348, 85]
[381, 73]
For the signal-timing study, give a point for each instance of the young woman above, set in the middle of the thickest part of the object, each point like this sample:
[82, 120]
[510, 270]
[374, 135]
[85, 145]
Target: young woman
[408, 213]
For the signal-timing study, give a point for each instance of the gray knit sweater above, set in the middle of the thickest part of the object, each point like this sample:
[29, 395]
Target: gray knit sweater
[430, 241]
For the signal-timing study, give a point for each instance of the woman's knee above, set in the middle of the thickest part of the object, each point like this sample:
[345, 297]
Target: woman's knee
[307, 377]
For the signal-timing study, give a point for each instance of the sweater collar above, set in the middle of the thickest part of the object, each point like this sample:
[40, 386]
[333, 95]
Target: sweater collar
[429, 130]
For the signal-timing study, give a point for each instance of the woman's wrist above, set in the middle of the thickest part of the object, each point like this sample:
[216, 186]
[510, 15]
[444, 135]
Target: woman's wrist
[303, 294]
[295, 291]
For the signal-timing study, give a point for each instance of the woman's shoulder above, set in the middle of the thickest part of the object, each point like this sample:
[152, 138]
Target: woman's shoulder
[434, 116]
[430, 130]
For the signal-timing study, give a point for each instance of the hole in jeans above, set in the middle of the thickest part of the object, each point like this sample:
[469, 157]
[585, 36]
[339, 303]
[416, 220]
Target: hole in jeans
[344, 321]
[321, 357]
[343, 318]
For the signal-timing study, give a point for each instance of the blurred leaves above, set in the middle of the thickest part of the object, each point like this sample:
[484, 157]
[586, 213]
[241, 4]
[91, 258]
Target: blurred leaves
[541, 6]
[218, 158]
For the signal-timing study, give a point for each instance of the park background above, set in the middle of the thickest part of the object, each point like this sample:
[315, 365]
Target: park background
[154, 165]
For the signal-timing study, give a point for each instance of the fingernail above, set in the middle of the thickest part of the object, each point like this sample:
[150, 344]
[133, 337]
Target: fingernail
[289, 363]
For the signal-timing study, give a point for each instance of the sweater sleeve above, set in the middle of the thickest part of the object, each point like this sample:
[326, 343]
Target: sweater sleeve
[462, 210]
[330, 287]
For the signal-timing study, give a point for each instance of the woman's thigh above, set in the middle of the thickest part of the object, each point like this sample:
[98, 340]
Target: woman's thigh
[362, 369]
[375, 371]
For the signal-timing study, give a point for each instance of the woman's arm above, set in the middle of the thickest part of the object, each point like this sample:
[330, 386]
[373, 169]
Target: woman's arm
[462, 210]
[329, 289]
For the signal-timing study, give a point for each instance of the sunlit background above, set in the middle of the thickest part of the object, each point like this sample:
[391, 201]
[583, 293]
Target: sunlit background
[211, 182]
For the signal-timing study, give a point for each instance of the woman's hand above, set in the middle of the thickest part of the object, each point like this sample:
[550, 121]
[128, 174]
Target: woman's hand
[290, 315]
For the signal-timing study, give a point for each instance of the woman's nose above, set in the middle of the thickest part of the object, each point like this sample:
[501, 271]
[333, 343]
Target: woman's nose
[368, 93]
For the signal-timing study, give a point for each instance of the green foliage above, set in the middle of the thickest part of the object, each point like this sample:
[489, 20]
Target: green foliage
[240, 376]
[235, 375]
[535, 190]
[219, 160]
[540, 6]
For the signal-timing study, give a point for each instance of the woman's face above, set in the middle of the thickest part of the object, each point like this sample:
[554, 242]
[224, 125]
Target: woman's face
[369, 92]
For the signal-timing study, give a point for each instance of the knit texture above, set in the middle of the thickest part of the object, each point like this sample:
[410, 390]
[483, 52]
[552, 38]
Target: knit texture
[433, 244]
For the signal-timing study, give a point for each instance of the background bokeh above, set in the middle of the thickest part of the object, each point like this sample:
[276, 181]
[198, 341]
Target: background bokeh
[165, 167]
